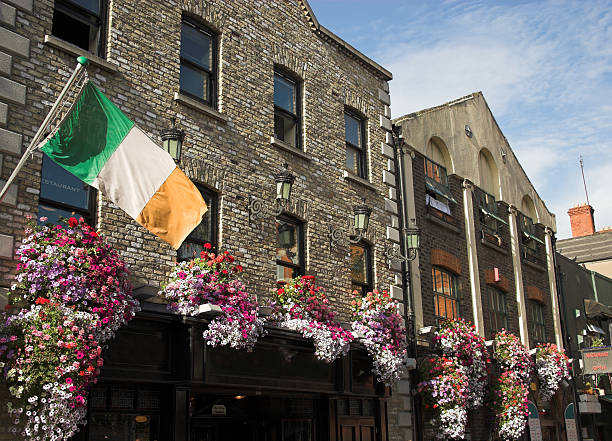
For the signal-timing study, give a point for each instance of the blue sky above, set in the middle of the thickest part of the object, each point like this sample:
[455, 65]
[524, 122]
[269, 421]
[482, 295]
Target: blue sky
[544, 67]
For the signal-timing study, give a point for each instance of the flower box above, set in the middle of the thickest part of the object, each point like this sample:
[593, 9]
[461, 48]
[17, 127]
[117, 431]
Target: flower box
[208, 309]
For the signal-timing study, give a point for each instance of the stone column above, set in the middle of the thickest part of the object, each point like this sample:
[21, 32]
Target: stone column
[518, 274]
[471, 240]
[552, 282]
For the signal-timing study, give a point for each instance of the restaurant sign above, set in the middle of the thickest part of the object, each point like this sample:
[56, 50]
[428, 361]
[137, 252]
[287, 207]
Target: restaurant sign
[597, 361]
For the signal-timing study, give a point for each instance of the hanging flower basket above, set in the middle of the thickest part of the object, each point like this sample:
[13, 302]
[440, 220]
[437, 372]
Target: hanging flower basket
[459, 339]
[377, 320]
[299, 305]
[513, 385]
[75, 293]
[209, 283]
[445, 395]
[552, 367]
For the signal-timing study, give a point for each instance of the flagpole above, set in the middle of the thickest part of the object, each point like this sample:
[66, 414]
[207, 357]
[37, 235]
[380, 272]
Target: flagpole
[81, 62]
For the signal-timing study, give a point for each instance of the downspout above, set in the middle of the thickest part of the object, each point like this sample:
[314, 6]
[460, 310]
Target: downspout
[409, 318]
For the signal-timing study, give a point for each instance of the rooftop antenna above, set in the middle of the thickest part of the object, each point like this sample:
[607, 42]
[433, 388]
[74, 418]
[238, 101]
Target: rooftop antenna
[583, 181]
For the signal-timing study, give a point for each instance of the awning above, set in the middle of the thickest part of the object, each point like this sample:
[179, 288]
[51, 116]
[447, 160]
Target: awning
[606, 398]
[494, 216]
[439, 189]
[596, 310]
[597, 329]
[531, 236]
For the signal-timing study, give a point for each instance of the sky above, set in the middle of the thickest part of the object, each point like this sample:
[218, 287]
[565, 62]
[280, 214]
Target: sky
[544, 67]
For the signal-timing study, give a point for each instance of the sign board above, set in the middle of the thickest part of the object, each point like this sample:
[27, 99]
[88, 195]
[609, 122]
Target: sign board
[535, 430]
[570, 423]
[597, 361]
[219, 410]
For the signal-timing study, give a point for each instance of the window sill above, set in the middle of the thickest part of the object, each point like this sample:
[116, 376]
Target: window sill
[348, 176]
[442, 223]
[196, 105]
[499, 249]
[286, 147]
[535, 266]
[71, 49]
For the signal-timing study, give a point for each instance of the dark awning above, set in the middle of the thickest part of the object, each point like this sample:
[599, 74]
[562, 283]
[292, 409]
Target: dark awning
[439, 189]
[596, 310]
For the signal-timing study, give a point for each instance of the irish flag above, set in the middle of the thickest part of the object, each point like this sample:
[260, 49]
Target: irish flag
[98, 144]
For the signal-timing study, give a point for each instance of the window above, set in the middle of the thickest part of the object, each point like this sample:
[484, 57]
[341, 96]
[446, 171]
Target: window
[488, 213]
[354, 135]
[438, 193]
[79, 22]
[289, 248]
[62, 194]
[445, 294]
[498, 311]
[198, 62]
[204, 233]
[286, 110]
[361, 268]
[536, 316]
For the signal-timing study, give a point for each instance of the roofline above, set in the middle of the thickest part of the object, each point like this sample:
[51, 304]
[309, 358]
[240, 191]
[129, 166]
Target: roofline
[469, 97]
[330, 36]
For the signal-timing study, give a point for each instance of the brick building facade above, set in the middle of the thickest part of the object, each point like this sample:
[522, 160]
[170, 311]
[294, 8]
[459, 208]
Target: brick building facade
[486, 236]
[254, 84]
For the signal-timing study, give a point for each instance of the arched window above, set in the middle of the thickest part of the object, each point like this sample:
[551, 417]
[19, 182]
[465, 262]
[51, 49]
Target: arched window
[489, 177]
[528, 208]
[446, 294]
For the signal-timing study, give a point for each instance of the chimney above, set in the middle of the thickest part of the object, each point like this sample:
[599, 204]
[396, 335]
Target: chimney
[581, 220]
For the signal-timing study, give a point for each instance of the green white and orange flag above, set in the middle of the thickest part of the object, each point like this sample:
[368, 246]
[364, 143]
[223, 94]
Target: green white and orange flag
[98, 144]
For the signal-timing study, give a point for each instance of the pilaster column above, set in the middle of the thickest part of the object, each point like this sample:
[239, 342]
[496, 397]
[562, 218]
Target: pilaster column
[552, 282]
[518, 274]
[471, 240]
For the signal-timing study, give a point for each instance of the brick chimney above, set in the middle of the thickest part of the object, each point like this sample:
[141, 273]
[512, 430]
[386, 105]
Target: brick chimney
[581, 220]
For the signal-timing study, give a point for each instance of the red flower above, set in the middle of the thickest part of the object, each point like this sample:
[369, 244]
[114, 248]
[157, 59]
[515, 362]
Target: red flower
[73, 222]
[42, 301]
[207, 246]
[93, 234]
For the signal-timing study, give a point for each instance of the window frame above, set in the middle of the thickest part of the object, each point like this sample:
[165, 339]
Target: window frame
[453, 296]
[497, 317]
[368, 285]
[89, 214]
[297, 118]
[213, 209]
[537, 321]
[362, 166]
[212, 83]
[81, 14]
[300, 268]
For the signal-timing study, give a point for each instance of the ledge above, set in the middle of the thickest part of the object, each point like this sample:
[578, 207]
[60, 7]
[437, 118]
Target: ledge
[488, 244]
[286, 147]
[357, 180]
[196, 105]
[442, 223]
[72, 49]
[535, 266]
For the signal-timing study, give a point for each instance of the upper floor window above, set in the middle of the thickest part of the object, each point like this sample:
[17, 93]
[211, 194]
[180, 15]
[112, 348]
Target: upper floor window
[438, 191]
[536, 319]
[80, 22]
[361, 268]
[489, 219]
[289, 248]
[62, 194]
[205, 232]
[446, 298]
[498, 310]
[198, 62]
[287, 110]
[354, 134]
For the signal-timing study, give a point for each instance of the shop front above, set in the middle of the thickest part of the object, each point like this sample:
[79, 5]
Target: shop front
[161, 382]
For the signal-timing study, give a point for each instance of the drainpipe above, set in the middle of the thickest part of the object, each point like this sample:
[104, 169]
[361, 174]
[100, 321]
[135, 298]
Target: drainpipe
[409, 318]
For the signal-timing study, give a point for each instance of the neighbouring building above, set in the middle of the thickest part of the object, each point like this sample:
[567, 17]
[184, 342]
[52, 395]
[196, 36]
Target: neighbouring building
[586, 304]
[588, 247]
[254, 84]
[486, 249]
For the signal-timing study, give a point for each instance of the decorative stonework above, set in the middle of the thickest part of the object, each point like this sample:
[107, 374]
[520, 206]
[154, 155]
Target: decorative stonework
[502, 283]
[446, 260]
[535, 293]
[211, 14]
